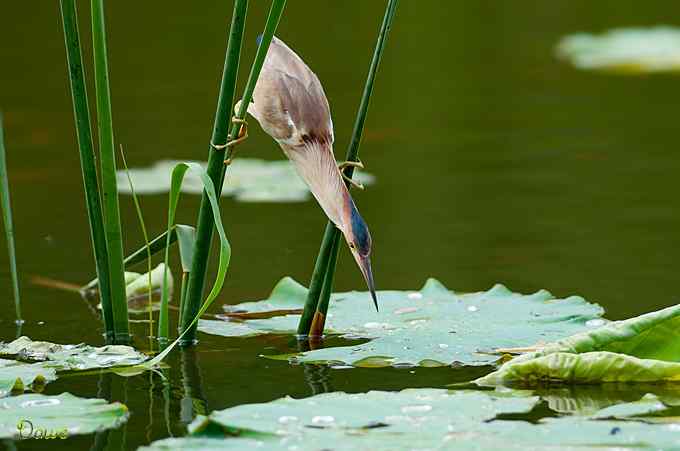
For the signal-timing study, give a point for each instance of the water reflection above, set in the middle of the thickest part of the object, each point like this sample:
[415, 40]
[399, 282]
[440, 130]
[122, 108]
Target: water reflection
[588, 399]
[318, 377]
[193, 400]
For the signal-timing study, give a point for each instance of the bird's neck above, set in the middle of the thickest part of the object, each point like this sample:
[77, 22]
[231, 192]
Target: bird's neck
[316, 164]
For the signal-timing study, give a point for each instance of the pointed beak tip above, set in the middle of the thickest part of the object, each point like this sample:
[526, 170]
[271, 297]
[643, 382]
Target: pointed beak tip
[375, 301]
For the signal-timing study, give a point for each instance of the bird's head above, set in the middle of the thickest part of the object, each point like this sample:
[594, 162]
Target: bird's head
[358, 238]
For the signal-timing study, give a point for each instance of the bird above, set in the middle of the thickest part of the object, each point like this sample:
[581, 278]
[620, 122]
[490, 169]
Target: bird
[290, 105]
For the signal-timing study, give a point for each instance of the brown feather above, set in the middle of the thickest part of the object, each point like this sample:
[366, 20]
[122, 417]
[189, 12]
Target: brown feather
[289, 101]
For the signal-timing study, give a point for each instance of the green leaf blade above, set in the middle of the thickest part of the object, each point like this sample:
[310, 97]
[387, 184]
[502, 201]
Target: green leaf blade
[9, 226]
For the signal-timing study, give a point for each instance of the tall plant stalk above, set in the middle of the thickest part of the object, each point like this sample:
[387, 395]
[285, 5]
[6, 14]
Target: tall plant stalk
[216, 167]
[316, 306]
[6, 210]
[81, 113]
[112, 227]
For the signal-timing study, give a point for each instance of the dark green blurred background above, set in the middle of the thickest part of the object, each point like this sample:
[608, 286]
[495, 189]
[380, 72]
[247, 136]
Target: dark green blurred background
[495, 162]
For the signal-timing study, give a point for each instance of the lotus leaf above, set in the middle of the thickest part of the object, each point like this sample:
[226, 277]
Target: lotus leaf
[416, 419]
[71, 357]
[40, 416]
[641, 349]
[626, 50]
[17, 376]
[429, 327]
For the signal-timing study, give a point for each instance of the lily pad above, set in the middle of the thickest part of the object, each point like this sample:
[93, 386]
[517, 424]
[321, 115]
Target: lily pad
[641, 349]
[71, 357]
[416, 419]
[17, 376]
[627, 50]
[429, 327]
[249, 180]
[57, 416]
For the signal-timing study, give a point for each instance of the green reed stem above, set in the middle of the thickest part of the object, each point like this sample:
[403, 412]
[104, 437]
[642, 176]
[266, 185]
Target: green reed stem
[321, 285]
[6, 208]
[81, 114]
[112, 227]
[216, 167]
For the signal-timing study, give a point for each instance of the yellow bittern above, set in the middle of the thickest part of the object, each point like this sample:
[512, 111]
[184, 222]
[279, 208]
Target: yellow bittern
[291, 106]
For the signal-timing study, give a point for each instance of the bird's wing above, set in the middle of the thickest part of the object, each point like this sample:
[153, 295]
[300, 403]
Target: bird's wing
[289, 101]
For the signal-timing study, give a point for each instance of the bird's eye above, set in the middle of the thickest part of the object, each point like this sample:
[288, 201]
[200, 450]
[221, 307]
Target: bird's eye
[352, 246]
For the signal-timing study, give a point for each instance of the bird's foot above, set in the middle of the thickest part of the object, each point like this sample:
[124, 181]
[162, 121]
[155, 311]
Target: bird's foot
[353, 164]
[242, 132]
[242, 136]
[353, 182]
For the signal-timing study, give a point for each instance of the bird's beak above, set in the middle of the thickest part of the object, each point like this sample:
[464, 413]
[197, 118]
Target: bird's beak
[364, 263]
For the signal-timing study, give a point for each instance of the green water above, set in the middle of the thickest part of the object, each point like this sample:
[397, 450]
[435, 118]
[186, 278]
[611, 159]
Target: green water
[495, 163]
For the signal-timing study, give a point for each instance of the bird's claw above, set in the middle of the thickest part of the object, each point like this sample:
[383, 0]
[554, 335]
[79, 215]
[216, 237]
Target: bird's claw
[353, 182]
[242, 132]
[353, 164]
[242, 136]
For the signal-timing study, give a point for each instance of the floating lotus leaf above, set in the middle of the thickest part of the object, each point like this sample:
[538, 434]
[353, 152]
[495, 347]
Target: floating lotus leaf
[417, 419]
[71, 357]
[17, 376]
[249, 180]
[641, 349]
[40, 416]
[627, 50]
[429, 327]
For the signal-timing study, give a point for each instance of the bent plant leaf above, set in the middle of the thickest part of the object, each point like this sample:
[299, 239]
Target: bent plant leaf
[624, 50]
[641, 349]
[225, 251]
[429, 327]
[62, 416]
[420, 419]
[250, 180]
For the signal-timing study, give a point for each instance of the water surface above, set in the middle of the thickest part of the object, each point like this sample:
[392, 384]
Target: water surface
[495, 163]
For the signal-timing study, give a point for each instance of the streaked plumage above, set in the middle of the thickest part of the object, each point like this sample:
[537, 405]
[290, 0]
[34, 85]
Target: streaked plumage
[291, 106]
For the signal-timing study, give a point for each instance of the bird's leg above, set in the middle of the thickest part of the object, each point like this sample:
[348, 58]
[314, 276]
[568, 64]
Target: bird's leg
[353, 182]
[242, 136]
[353, 164]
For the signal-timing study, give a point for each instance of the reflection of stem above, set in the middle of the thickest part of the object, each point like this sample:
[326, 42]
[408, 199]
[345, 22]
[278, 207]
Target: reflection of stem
[193, 400]
[101, 438]
[166, 407]
[318, 378]
[149, 426]
[302, 344]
